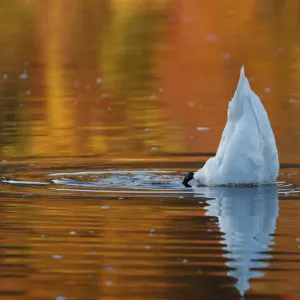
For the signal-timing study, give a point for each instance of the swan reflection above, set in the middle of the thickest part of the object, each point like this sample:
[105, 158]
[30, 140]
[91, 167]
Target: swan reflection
[247, 217]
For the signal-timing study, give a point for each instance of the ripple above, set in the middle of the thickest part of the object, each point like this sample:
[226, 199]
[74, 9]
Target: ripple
[124, 179]
[126, 182]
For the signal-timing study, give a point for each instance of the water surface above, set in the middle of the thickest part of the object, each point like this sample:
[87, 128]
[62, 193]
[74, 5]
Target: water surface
[104, 105]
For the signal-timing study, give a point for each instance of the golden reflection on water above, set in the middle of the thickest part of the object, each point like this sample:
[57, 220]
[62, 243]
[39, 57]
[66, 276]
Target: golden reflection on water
[129, 78]
[119, 81]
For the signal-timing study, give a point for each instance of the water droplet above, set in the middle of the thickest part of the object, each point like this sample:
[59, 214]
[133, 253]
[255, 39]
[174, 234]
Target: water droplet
[146, 129]
[61, 298]
[99, 80]
[148, 247]
[293, 100]
[43, 235]
[4, 76]
[109, 268]
[24, 75]
[108, 282]
[72, 232]
[28, 92]
[185, 261]
[4, 161]
[57, 256]
[211, 38]
[180, 197]
[154, 148]
[121, 198]
[105, 207]
[202, 128]
[226, 55]
[160, 90]
[267, 90]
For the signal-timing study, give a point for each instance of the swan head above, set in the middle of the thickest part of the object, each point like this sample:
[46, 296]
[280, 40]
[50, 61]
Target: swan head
[187, 178]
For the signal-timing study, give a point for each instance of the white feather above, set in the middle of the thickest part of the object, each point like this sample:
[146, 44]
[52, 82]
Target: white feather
[247, 153]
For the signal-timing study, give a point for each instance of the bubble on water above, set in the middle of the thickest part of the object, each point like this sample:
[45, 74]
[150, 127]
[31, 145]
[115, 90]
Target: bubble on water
[161, 90]
[108, 268]
[4, 161]
[57, 256]
[28, 92]
[72, 232]
[191, 104]
[61, 298]
[152, 230]
[147, 247]
[180, 197]
[26, 63]
[185, 261]
[105, 207]
[99, 80]
[108, 282]
[191, 136]
[146, 129]
[154, 149]
[43, 235]
[104, 95]
[267, 90]
[202, 128]
[4, 76]
[211, 38]
[87, 87]
[121, 198]
[298, 240]
[23, 75]
[108, 108]
[293, 100]
[226, 55]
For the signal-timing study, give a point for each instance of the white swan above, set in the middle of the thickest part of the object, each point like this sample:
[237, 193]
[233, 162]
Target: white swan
[247, 153]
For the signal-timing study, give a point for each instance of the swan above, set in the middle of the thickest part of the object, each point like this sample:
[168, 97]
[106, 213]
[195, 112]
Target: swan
[247, 153]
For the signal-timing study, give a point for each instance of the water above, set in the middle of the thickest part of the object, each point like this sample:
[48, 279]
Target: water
[103, 108]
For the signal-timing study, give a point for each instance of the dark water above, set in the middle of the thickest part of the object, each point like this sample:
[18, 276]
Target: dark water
[104, 105]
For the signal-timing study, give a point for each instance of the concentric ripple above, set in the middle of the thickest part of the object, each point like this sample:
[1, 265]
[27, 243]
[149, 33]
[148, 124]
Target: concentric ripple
[133, 181]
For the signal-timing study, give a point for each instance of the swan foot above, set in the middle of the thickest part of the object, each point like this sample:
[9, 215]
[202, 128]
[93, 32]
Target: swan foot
[187, 178]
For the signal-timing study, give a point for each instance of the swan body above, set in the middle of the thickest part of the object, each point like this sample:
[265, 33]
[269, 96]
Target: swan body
[247, 153]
